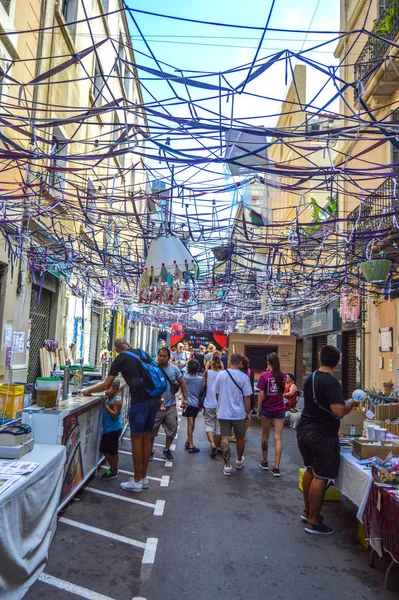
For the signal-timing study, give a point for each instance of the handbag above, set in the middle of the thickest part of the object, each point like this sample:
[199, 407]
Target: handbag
[203, 392]
[174, 385]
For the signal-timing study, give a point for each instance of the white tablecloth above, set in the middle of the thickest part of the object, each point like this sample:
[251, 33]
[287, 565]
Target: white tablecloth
[28, 520]
[353, 481]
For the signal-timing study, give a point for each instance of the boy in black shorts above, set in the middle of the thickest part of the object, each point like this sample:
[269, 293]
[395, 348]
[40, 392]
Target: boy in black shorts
[317, 435]
[112, 429]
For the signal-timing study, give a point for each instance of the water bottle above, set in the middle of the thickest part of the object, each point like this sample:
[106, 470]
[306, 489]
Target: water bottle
[30, 421]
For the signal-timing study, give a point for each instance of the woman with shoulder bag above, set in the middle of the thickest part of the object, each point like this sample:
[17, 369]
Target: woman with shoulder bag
[212, 426]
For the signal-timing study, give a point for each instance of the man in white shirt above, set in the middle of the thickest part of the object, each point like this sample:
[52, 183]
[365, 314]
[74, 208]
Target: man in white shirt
[180, 358]
[233, 392]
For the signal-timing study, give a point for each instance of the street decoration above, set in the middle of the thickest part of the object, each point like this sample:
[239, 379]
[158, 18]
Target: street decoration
[214, 196]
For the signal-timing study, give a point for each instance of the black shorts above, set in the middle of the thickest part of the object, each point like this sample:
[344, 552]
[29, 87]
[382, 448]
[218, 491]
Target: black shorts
[320, 452]
[109, 442]
[190, 411]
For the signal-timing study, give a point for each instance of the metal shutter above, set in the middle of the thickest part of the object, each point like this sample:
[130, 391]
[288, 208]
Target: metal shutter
[299, 364]
[320, 342]
[40, 321]
[349, 364]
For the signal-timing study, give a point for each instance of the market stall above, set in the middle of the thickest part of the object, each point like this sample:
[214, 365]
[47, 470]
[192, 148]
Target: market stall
[28, 515]
[76, 424]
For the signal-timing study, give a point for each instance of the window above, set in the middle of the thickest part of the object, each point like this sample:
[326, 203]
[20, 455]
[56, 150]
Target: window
[59, 150]
[106, 5]
[98, 83]
[382, 5]
[91, 204]
[6, 4]
[394, 150]
[70, 12]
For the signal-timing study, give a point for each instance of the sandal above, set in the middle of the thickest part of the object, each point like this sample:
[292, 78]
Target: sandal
[193, 449]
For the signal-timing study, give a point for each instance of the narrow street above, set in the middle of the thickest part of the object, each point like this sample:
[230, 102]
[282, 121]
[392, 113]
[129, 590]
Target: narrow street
[196, 534]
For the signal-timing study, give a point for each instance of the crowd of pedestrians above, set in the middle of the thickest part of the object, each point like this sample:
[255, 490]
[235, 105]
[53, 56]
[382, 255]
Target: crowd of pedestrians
[224, 389]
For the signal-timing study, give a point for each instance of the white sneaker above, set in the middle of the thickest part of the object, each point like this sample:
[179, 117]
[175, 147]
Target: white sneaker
[240, 463]
[146, 483]
[132, 485]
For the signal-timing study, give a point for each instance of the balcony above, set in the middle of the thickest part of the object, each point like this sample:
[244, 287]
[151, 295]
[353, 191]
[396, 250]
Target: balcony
[377, 213]
[372, 55]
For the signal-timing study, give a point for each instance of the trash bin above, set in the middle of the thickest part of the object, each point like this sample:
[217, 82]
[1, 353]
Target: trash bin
[28, 393]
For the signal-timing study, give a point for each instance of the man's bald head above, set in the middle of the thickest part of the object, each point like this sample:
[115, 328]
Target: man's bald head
[121, 344]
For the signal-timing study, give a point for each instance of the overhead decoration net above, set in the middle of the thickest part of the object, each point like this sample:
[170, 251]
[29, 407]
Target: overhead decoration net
[186, 167]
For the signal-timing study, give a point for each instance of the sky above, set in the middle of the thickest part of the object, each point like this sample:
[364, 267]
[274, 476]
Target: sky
[212, 49]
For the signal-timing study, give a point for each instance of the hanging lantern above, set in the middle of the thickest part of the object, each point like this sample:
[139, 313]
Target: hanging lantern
[376, 271]
[168, 269]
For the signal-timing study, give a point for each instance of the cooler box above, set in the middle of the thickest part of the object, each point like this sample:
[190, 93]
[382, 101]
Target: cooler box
[11, 399]
[331, 495]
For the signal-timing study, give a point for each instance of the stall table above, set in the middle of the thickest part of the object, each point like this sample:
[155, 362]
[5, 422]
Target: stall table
[353, 481]
[28, 516]
[76, 424]
[381, 522]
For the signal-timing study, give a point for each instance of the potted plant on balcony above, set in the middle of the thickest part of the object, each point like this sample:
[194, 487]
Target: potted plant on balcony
[376, 270]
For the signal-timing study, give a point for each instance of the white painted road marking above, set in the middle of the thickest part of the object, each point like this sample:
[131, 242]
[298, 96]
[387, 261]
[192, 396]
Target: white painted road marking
[104, 533]
[154, 458]
[173, 446]
[150, 551]
[72, 588]
[158, 506]
[168, 463]
[164, 480]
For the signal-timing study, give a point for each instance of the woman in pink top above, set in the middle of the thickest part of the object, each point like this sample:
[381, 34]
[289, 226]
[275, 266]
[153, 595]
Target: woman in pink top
[271, 406]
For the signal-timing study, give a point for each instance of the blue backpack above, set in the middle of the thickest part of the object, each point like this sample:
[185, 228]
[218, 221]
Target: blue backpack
[153, 376]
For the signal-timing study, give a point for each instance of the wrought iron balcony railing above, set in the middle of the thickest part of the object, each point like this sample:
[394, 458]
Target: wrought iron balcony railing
[377, 212]
[374, 50]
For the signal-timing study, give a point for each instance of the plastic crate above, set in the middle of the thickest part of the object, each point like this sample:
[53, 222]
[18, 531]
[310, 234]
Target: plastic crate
[331, 495]
[11, 399]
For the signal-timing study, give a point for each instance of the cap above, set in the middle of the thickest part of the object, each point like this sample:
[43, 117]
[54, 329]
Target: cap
[180, 344]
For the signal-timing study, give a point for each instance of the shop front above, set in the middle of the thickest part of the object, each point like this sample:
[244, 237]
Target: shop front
[326, 327]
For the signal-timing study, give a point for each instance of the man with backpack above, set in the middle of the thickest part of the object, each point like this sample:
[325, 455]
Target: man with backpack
[146, 384]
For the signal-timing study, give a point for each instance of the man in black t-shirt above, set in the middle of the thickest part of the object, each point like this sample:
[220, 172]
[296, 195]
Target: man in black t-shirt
[317, 435]
[142, 412]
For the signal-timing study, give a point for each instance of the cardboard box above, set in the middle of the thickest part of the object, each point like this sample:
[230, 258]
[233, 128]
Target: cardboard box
[352, 424]
[383, 476]
[366, 449]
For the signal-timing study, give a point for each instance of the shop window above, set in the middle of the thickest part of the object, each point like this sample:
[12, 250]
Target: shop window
[70, 12]
[6, 4]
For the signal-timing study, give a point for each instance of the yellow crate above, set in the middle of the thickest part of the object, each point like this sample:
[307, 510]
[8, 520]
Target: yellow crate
[361, 536]
[332, 494]
[11, 399]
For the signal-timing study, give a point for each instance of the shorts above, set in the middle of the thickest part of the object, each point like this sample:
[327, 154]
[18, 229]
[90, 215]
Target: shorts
[142, 415]
[268, 415]
[212, 424]
[168, 419]
[109, 442]
[320, 452]
[191, 411]
[226, 425]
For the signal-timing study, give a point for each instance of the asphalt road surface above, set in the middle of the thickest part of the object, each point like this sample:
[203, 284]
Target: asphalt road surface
[202, 536]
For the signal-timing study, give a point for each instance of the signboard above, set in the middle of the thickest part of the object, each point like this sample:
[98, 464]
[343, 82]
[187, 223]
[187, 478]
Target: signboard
[197, 338]
[80, 437]
[321, 322]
